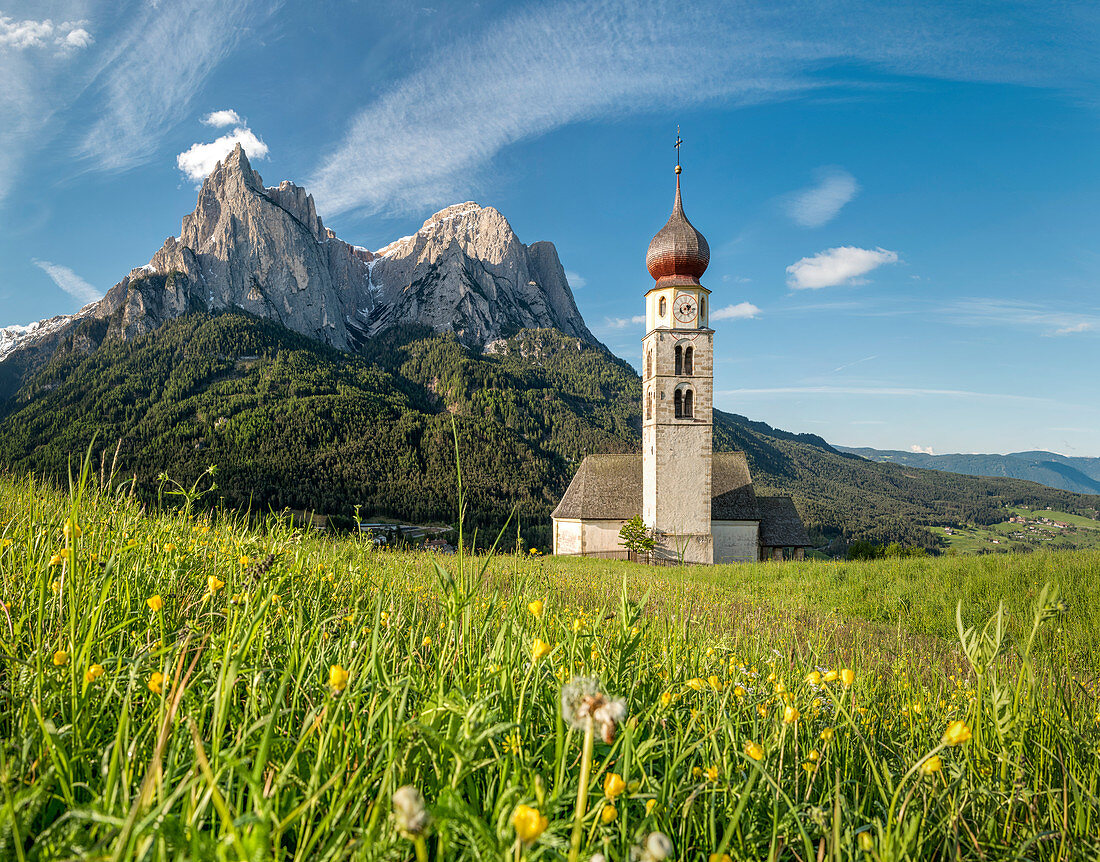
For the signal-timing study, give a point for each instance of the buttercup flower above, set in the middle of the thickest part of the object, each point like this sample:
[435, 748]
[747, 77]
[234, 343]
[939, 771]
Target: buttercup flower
[155, 603]
[540, 649]
[72, 531]
[93, 673]
[156, 683]
[866, 842]
[337, 678]
[830, 676]
[932, 764]
[535, 608]
[60, 658]
[957, 733]
[213, 584]
[827, 734]
[848, 676]
[754, 751]
[649, 806]
[790, 715]
[528, 823]
[814, 678]
[613, 785]
[608, 814]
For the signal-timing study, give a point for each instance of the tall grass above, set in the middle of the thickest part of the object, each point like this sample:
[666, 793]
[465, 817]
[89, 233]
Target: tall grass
[304, 680]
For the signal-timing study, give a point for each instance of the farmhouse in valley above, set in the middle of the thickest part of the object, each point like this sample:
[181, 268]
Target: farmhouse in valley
[700, 504]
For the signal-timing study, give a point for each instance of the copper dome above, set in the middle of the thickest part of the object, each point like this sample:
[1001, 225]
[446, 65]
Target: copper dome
[678, 252]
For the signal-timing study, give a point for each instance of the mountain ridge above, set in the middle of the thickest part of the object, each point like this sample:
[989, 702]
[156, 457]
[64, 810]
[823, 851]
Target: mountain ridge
[1077, 474]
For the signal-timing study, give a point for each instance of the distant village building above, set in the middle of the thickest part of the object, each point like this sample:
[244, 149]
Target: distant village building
[699, 503]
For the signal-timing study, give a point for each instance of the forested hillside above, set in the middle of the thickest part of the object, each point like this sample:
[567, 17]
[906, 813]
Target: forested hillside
[289, 422]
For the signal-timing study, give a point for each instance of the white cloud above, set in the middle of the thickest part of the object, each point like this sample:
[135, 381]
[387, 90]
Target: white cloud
[198, 160]
[575, 279]
[924, 450]
[623, 322]
[429, 137]
[741, 311]
[836, 266]
[820, 204]
[70, 282]
[217, 119]
[22, 35]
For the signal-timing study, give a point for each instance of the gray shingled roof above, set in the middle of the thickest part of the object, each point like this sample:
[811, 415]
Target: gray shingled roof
[780, 524]
[609, 487]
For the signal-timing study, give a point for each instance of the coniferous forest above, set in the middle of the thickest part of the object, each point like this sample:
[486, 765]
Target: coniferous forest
[291, 423]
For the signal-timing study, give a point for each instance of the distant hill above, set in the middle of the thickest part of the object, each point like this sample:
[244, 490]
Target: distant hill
[1080, 475]
[292, 422]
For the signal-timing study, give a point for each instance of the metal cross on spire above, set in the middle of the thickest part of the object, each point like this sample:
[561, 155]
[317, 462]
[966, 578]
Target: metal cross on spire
[677, 145]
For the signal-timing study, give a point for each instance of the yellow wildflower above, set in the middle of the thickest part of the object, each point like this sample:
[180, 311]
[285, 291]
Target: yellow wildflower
[847, 676]
[738, 691]
[213, 584]
[528, 823]
[60, 557]
[814, 678]
[169, 548]
[427, 642]
[649, 806]
[827, 734]
[93, 673]
[866, 842]
[72, 531]
[540, 649]
[754, 751]
[245, 561]
[715, 683]
[830, 676]
[608, 815]
[155, 603]
[536, 608]
[577, 624]
[814, 755]
[156, 683]
[613, 785]
[60, 658]
[932, 764]
[712, 773]
[337, 678]
[697, 684]
[790, 715]
[666, 698]
[957, 733]
[714, 857]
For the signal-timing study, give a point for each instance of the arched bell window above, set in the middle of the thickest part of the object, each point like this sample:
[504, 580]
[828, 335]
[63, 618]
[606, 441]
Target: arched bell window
[649, 404]
[678, 404]
[689, 360]
[679, 360]
[662, 306]
[689, 411]
[649, 363]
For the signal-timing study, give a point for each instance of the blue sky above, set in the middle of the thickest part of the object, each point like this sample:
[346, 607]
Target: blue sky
[902, 200]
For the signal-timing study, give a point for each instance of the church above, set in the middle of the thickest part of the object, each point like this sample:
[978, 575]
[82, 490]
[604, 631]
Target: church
[699, 504]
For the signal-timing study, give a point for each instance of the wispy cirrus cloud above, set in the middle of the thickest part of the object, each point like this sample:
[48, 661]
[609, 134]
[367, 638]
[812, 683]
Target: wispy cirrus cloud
[575, 279]
[153, 70]
[70, 282]
[623, 322]
[836, 266]
[1053, 322]
[428, 136]
[820, 204]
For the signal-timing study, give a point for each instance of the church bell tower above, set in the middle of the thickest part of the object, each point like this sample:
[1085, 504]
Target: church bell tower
[677, 391]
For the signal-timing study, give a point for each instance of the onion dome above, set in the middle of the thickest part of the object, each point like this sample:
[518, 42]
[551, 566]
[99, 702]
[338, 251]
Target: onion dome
[679, 253]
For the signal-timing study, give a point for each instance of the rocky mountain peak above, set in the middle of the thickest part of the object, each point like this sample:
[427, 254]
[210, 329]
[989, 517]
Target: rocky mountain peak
[266, 251]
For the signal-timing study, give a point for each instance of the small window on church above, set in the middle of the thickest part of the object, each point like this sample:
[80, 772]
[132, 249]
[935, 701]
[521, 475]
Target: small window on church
[679, 360]
[703, 310]
[649, 405]
[662, 307]
[649, 363]
[678, 404]
[688, 412]
[689, 360]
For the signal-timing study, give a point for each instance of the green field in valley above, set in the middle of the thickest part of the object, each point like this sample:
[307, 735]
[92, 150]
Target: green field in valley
[1042, 528]
[187, 685]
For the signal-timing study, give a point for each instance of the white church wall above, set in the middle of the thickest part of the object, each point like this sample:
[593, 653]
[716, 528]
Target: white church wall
[567, 537]
[602, 536]
[735, 541]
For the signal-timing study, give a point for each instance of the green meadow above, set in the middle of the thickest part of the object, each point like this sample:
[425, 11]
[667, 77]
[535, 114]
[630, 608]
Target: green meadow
[181, 684]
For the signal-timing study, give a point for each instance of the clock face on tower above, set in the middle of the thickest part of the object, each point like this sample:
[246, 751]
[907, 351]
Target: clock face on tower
[685, 307]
